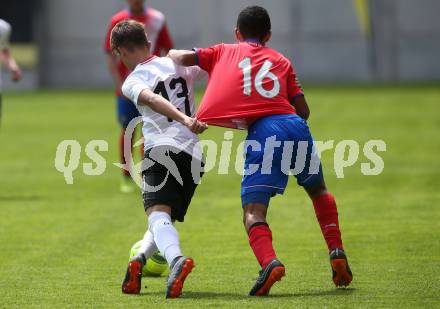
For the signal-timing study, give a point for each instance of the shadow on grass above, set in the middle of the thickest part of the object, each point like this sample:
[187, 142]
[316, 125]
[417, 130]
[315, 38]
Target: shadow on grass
[335, 292]
[200, 295]
[227, 295]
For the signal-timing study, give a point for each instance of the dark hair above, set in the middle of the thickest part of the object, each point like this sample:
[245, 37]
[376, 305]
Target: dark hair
[254, 22]
[129, 34]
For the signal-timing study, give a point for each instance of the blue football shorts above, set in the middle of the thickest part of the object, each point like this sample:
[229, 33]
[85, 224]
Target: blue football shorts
[127, 111]
[276, 147]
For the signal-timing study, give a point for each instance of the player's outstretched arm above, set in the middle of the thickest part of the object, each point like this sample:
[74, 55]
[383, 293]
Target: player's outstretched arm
[162, 106]
[185, 58]
[11, 64]
[301, 106]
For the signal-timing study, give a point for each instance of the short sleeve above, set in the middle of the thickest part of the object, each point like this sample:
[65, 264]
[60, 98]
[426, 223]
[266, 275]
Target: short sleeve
[196, 73]
[294, 88]
[133, 86]
[208, 57]
[164, 40]
[193, 71]
[5, 34]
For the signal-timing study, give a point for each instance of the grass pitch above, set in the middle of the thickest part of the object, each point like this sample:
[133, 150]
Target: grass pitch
[67, 245]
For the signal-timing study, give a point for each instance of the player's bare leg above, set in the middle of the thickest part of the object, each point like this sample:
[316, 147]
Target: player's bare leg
[260, 240]
[327, 214]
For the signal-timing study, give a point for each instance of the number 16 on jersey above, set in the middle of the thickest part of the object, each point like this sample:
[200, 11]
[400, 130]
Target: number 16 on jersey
[263, 73]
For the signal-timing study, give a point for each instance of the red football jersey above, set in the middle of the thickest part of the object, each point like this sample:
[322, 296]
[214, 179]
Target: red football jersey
[247, 81]
[157, 31]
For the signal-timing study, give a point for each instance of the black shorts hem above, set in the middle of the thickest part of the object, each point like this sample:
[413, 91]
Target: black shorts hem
[176, 207]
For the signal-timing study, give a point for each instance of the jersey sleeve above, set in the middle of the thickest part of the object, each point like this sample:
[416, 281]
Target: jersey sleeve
[193, 71]
[208, 57]
[294, 88]
[196, 73]
[164, 41]
[5, 34]
[133, 86]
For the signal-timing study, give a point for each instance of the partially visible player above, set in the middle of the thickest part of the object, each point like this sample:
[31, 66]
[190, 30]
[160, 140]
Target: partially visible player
[255, 87]
[6, 57]
[161, 43]
[172, 152]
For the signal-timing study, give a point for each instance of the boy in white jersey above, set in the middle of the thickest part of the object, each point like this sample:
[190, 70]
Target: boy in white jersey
[163, 93]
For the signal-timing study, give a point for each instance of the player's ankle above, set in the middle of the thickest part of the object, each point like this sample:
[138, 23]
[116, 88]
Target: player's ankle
[141, 257]
[174, 261]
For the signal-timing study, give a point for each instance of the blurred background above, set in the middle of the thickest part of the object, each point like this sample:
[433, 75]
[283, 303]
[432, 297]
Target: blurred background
[59, 42]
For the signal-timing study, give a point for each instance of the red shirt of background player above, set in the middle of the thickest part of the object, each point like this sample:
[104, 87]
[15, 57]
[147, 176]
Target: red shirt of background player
[156, 28]
[247, 81]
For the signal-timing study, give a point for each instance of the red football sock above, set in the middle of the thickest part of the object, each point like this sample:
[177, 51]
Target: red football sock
[121, 153]
[327, 215]
[260, 239]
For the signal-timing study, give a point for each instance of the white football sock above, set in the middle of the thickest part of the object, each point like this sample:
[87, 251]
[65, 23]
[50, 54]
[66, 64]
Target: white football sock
[165, 235]
[148, 246]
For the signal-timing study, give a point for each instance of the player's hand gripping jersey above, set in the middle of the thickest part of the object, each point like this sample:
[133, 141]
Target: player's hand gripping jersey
[260, 82]
[174, 83]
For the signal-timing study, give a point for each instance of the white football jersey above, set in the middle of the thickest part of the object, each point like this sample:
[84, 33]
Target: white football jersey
[176, 84]
[5, 33]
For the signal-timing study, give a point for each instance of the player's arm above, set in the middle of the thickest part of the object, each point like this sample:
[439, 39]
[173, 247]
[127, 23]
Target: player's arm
[302, 108]
[205, 58]
[185, 58]
[296, 94]
[162, 106]
[11, 64]
[5, 52]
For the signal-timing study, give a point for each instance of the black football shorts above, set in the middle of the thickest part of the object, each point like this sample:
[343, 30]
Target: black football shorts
[170, 177]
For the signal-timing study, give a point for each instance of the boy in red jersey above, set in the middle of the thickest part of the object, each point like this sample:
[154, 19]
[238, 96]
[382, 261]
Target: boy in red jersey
[161, 43]
[254, 87]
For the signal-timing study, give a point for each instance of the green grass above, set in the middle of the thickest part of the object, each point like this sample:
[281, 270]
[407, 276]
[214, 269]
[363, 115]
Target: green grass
[67, 245]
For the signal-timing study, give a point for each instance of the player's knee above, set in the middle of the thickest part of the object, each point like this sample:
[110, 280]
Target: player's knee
[254, 213]
[251, 218]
